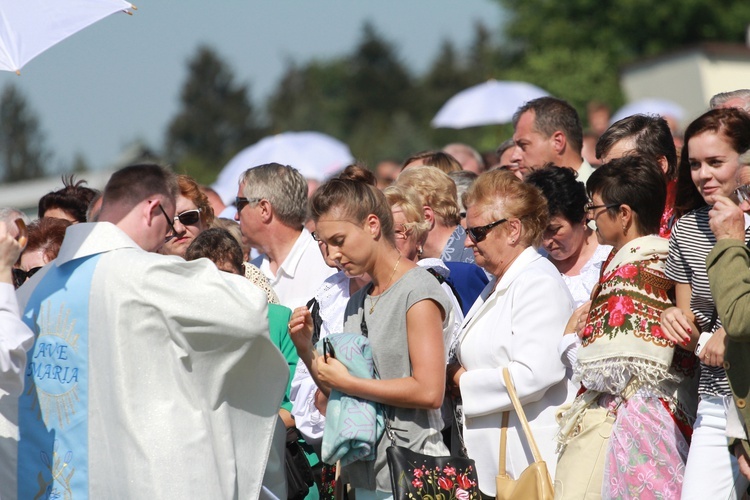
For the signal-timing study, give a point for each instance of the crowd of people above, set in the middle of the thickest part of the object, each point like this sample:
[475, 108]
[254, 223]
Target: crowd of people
[153, 347]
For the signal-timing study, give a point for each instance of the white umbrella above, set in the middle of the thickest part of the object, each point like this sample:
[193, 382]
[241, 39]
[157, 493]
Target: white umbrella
[491, 102]
[662, 107]
[29, 27]
[314, 154]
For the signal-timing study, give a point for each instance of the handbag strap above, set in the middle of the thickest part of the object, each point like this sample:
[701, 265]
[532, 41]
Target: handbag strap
[521, 415]
[502, 469]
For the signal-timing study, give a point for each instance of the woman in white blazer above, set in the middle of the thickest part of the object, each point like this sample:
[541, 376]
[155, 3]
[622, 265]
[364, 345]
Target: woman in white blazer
[516, 322]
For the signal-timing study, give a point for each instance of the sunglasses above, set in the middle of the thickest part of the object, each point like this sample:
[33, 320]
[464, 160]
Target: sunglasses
[189, 217]
[479, 233]
[241, 202]
[171, 226]
[20, 276]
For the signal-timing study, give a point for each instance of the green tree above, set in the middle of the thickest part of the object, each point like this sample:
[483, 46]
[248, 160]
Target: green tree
[23, 154]
[215, 120]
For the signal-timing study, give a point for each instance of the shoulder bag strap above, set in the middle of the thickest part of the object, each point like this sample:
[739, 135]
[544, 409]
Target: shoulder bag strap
[521, 415]
[502, 469]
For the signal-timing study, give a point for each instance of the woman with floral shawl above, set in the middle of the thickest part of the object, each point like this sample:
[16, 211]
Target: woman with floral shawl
[624, 361]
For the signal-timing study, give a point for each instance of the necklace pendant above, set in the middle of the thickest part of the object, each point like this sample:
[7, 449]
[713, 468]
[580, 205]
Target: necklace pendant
[372, 308]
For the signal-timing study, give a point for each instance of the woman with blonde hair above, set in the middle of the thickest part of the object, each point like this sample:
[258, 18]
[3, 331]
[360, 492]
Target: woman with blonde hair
[403, 312]
[516, 323]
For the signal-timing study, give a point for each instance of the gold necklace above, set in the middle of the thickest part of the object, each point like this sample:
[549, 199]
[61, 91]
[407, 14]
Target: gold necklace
[393, 273]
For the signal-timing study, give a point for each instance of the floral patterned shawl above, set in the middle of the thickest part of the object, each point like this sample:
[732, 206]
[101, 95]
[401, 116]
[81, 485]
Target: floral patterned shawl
[623, 337]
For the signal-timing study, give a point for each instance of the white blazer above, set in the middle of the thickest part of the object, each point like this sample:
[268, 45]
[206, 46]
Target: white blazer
[518, 325]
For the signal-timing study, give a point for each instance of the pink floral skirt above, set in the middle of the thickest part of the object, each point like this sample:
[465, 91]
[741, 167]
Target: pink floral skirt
[647, 452]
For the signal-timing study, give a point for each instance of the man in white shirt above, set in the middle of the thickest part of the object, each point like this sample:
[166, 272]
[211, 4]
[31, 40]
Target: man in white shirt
[548, 130]
[272, 209]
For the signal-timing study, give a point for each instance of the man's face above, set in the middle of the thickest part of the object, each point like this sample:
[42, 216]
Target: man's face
[532, 149]
[248, 219]
[162, 215]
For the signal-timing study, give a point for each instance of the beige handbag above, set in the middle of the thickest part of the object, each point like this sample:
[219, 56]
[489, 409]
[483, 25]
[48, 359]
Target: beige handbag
[535, 482]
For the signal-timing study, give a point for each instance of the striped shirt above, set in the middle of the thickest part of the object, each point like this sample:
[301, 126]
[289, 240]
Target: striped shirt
[689, 244]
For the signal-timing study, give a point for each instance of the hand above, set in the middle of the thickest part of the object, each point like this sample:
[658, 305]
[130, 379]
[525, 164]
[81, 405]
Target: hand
[10, 250]
[300, 329]
[712, 353]
[743, 459]
[333, 374]
[727, 221]
[678, 328]
[577, 321]
[453, 378]
[320, 401]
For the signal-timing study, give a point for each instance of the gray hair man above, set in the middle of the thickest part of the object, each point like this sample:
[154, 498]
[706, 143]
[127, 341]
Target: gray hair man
[739, 99]
[272, 209]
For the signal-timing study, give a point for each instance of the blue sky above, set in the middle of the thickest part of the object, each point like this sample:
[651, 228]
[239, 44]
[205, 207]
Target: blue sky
[119, 80]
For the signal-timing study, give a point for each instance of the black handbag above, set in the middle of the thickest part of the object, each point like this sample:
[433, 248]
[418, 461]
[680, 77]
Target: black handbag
[299, 474]
[414, 475]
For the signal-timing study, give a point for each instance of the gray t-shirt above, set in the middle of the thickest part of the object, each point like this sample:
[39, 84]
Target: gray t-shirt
[416, 429]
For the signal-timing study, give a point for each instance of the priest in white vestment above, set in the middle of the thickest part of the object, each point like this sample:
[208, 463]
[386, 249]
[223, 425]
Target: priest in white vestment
[150, 377]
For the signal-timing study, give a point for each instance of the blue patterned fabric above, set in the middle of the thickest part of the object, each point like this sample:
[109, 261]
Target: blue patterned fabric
[353, 425]
[454, 249]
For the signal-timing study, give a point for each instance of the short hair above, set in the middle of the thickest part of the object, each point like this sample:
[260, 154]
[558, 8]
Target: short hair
[131, 185]
[410, 204]
[552, 114]
[73, 199]
[357, 172]
[460, 147]
[463, 180]
[193, 192]
[437, 190]
[218, 246]
[565, 194]
[505, 195]
[46, 235]
[636, 181]
[723, 97]
[355, 201]
[650, 135]
[438, 159]
[504, 146]
[284, 188]
[734, 125]
[9, 216]
[91, 214]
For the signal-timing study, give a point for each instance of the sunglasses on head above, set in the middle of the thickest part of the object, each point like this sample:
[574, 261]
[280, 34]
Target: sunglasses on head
[189, 217]
[20, 276]
[479, 233]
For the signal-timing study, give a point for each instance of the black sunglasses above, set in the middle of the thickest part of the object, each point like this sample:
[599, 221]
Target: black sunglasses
[241, 202]
[20, 276]
[171, 226]
[479, 233]
[189, 217]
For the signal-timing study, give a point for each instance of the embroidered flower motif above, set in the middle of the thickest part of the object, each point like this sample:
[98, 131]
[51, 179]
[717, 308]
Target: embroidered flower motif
[449, 471]
[628, 271]
[462, 494]
[417, 483]
[616, 318]
[464, 482]
[418, 473]
[445, 483]
[657, 332]
[587, 331]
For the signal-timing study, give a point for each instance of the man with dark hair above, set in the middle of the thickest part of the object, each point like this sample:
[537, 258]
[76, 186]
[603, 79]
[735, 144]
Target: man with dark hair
[69, 203]
[548, 130]
[650, 137]
[272, 209]
[137, 385]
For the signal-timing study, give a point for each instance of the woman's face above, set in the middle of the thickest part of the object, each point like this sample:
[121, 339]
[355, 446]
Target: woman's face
[32, 258]
[713, 165]
[563, 239]
[493, 253]
[186, 233]
[348, 243]
[608, 228]
[406, 241]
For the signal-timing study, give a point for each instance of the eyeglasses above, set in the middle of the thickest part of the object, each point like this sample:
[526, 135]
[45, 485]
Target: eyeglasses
[189, 217]
[590, 207]
[20, 276]
[743, 193]
[171, 226]
[402, 233]
[479, 233]
[240, 202]
[315, 236]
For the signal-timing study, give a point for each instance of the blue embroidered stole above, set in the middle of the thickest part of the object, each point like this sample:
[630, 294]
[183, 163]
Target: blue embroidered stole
[53, 409]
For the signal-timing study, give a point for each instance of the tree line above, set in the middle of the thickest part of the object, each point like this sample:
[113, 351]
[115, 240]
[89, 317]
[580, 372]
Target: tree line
[376, 104]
